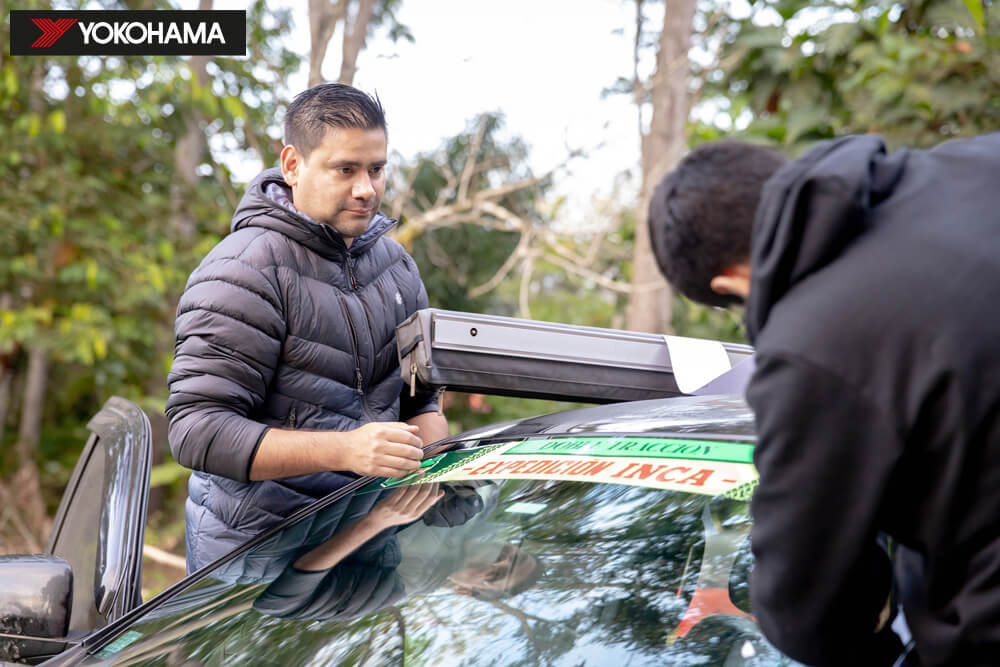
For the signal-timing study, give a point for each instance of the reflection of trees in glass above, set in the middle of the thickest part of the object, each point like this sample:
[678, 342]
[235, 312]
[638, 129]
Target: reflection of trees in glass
[620, 566]
[621, 563]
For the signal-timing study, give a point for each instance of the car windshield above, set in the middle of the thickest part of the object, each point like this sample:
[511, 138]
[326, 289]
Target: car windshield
[497, 572]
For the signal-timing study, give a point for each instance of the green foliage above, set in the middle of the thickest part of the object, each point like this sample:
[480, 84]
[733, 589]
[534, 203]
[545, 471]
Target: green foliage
[92, 260]
[698, 321]
[917, 72]
[795, 72]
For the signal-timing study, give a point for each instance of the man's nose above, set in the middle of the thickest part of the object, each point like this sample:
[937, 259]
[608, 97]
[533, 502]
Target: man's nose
[363, 188]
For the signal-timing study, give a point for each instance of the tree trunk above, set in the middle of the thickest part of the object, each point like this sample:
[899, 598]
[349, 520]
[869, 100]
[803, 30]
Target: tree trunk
[6, 377]
[7, 371]
[26, 485]
[354, 40]
[662, 147]
[324, 15]
[188, 152]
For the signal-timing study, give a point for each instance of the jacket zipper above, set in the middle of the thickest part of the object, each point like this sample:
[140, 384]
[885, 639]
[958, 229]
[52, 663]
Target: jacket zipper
[291, 419]
[358, 378]
[355, 285]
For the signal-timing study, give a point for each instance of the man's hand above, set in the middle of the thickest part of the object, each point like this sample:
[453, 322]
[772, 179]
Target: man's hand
[383, 449]
[404, 506]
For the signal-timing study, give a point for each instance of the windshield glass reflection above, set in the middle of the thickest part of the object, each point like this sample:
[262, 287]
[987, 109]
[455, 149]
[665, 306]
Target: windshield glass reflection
[493, 572]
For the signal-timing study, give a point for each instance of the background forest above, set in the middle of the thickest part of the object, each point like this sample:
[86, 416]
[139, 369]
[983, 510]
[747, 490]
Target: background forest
[115, 185]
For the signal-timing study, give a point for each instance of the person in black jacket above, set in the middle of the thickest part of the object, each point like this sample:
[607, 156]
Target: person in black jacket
[871, 283]
[285, 381]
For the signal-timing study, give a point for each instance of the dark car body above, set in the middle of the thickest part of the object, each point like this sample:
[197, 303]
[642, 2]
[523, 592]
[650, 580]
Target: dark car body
[614, 534]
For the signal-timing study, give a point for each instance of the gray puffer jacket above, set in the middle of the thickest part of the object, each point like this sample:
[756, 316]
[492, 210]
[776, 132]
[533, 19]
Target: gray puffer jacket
[282, 325]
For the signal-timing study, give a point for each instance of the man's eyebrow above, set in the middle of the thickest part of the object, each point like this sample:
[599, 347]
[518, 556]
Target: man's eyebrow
[337, 164]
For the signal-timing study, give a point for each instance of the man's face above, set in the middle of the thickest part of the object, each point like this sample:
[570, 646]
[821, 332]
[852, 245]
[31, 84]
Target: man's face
[342, 181]
[507, 571]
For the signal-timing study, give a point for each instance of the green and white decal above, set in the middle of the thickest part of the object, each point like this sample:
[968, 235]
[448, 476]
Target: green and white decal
[708, 467]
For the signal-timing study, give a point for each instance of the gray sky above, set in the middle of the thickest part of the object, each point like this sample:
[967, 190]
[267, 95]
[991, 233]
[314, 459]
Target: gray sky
[543, 63]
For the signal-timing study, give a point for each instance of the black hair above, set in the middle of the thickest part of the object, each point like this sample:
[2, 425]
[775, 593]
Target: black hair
[701, 215]
[330, 105]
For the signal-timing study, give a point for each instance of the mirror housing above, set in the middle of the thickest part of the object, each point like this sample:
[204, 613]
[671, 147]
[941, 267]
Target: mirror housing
[36, 597]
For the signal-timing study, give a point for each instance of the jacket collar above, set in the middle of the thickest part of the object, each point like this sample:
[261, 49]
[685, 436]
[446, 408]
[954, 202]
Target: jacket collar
[268, 203]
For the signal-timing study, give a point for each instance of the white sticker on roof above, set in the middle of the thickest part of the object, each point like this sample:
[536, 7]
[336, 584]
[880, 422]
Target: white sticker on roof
[695, 361]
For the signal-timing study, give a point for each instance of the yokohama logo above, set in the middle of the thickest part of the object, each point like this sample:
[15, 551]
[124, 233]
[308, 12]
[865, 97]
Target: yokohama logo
[127, 33]
[51, 30]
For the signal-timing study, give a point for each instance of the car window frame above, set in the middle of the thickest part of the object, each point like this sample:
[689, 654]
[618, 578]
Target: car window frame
[122, 429]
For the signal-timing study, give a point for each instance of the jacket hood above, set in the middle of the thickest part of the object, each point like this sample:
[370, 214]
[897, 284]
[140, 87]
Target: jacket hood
[258, 208]
[810, 211]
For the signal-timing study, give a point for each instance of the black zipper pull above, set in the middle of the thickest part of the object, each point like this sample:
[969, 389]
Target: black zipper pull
[350, 272]
[357, 374]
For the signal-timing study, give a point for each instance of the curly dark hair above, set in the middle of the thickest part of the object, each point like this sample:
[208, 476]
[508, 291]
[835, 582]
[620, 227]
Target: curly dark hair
[330, 105]
[701, 214]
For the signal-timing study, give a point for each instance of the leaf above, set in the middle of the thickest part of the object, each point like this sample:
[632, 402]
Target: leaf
[803, 120]
[167, 473]
[10, 80]
[975, 8]
[839, 38]
[156, 278]
[166, 250]
[91, 273]
[761, 38]
[234, 106]
[883, 22]
[100, 346]
[57, 119]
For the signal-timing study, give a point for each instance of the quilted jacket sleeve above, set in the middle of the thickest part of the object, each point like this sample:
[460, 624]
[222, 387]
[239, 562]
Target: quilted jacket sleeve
[229, 328]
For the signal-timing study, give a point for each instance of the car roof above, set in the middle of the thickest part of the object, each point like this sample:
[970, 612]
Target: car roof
[697, 416]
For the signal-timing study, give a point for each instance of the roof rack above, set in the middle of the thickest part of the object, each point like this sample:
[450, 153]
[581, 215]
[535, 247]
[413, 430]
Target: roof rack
[508, 356]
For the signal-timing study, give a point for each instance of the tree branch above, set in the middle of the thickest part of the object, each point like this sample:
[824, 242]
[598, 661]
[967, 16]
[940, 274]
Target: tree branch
[505, 268]
[471, 158]
[164, 557]
[354, 40]
[524, 294]
[603, 281]
[324, 15]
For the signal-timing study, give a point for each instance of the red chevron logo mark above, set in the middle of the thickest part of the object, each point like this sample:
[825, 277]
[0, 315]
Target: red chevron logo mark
[51, 31]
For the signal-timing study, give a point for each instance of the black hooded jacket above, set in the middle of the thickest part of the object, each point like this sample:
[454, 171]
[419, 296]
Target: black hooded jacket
[875, 312]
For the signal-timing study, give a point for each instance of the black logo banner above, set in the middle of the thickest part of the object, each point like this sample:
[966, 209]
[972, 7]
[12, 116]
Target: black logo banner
[128, 33]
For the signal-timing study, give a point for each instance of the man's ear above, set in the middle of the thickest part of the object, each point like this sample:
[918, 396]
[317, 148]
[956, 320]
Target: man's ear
[734, 280]
[290, 161]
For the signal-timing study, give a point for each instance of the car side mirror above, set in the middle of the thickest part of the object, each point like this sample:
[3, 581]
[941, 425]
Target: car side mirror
[36, 597]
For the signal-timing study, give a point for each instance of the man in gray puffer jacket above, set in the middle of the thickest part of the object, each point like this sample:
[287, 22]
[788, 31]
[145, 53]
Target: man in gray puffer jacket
[285, 383]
